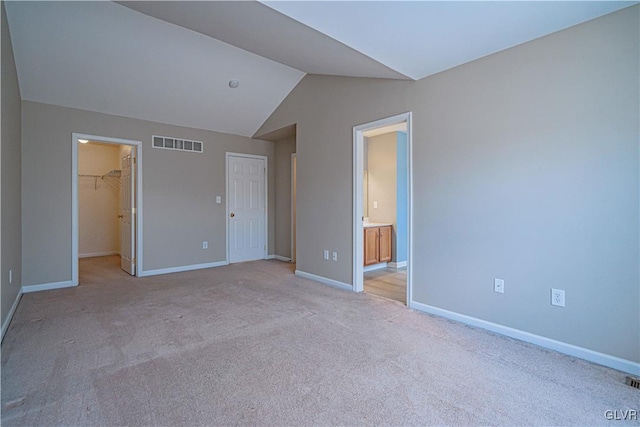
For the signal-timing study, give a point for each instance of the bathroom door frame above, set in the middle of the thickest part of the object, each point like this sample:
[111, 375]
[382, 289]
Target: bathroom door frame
[358, 194]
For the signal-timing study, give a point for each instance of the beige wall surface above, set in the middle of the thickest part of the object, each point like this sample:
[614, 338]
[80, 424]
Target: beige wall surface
[10, 154]
[98, 200]
[179, 190]
[283, 151]
[382, 177]
[525, 168]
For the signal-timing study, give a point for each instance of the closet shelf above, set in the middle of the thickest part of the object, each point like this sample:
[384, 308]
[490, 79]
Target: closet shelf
[114, 173]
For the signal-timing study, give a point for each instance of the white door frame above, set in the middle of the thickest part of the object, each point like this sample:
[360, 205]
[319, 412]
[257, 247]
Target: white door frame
[358, 171]
[294, 196]
[137, 145]
[266, 199]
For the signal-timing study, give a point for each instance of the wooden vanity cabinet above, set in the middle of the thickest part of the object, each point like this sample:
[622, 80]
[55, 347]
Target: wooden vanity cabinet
[377, 245]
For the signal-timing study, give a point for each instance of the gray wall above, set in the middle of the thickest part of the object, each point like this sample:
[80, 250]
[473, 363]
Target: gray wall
[525, 167]
[283, 150]
[179, 190]
[10, 155]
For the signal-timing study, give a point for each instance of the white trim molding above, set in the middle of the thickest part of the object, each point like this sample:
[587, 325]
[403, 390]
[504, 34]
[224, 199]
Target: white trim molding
[398, 264]
[374, 267]
[49, 286]
[326, 281]
[98, 254]
[279, 258]
[607, 360]
[182, 268]
[12, 311]
[294, 184]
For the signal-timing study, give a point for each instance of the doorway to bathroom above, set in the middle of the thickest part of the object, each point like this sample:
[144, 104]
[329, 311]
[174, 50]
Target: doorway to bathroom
[382, 208]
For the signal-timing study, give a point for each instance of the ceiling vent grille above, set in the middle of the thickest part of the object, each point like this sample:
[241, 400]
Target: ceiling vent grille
[178, 144]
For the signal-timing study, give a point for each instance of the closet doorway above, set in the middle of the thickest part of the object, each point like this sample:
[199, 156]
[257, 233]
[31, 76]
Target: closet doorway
[106, 200]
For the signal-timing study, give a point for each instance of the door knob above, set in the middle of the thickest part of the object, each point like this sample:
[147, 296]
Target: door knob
[232, 215]
[120, 216]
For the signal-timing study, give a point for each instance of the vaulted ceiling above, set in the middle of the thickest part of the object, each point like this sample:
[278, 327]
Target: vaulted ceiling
[172, 61]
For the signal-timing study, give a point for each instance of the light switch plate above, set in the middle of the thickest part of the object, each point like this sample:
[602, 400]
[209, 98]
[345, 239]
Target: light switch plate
[218, 199]
[498, 286]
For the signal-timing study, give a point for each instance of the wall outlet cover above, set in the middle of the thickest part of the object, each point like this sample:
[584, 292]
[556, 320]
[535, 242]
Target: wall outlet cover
[557, 297]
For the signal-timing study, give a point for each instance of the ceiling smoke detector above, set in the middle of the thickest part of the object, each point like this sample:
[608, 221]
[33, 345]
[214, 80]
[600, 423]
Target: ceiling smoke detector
[234, 84]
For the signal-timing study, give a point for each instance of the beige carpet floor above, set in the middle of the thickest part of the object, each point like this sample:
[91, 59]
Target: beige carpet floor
[252, 344]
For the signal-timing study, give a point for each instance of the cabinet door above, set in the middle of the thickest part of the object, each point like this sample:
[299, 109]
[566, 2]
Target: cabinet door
[371, 246]
[385, 244]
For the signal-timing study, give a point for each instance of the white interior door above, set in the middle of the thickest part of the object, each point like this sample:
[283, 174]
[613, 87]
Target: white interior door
[128, 213]
[247, 208]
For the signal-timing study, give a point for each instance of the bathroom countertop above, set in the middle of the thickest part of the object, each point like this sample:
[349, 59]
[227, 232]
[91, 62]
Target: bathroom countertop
[376, 224]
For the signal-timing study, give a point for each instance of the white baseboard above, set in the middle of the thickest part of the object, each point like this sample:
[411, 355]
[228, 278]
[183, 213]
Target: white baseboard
[182, 268]
[279, 258]
[561, 347]
[324, 280]
[398, 264]
[95, 254]
[7, 321]
[48, 286]
[375, 266]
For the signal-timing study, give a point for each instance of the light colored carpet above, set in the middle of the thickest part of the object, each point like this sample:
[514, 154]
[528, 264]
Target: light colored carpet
[252, 344]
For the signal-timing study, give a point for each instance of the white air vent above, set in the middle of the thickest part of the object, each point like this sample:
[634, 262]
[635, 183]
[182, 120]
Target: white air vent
[169, 143]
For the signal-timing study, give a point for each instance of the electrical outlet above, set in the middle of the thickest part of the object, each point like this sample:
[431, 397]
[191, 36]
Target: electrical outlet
[325, 255]
[335, 255]
[498, 286]
[557, 297]
[205, 245]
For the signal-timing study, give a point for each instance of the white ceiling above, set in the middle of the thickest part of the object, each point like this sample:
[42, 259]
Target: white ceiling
[257, 28]
[171, 61]
[421, 38]
[101, 56]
